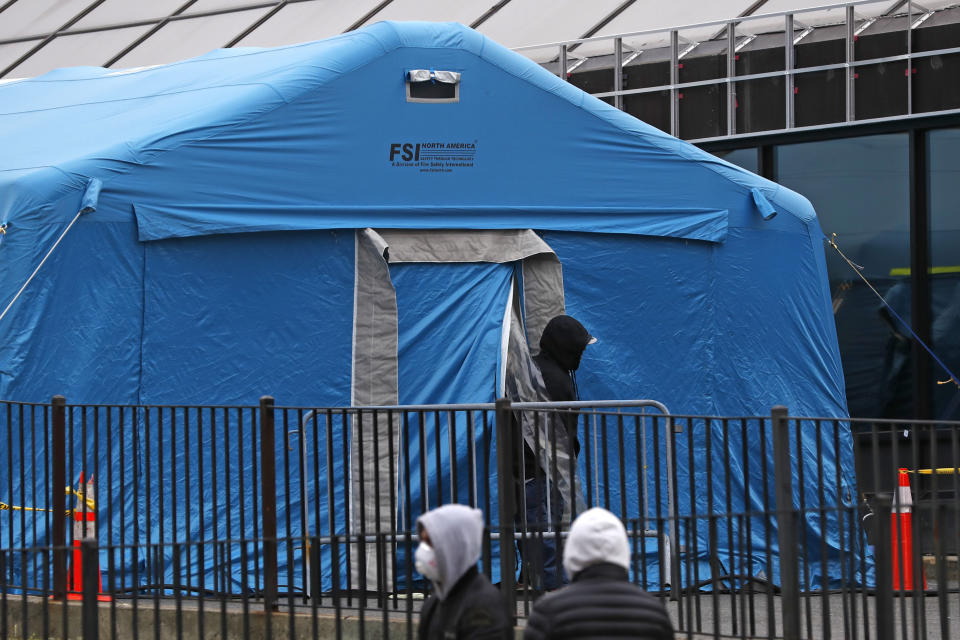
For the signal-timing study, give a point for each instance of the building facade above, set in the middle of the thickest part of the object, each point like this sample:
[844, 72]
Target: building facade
[857, 107]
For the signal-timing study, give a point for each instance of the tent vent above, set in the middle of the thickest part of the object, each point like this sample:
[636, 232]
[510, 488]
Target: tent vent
[429, 85]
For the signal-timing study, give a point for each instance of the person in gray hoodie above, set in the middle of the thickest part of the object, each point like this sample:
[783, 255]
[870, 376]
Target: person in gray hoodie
[463, 604]
[600, 602]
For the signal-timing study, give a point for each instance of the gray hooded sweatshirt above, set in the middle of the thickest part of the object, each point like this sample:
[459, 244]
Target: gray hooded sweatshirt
[464, 605]
[456, 535]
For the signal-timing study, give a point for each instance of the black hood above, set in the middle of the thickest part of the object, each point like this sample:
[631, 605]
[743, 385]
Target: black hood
[564, 340]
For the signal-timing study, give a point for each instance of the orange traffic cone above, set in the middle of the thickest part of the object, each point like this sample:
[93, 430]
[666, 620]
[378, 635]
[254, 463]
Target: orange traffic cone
[901, 526]
[84, 526]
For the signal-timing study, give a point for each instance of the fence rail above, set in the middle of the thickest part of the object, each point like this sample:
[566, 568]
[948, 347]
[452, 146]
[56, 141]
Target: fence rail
[727, 40]
[197, 517]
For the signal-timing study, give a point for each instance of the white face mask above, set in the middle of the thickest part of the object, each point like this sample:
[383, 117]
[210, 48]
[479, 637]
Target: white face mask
[425, 560]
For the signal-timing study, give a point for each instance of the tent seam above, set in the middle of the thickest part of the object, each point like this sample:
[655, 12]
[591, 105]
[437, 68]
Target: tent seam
[143, 97]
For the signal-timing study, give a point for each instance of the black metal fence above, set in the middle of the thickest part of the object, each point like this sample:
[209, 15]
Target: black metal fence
[198, 519]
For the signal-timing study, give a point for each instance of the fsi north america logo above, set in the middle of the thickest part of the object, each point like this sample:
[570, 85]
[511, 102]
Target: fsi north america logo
[433, 157]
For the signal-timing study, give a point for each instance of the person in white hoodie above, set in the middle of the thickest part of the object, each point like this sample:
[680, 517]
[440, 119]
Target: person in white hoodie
[463, 605]
[600, 601]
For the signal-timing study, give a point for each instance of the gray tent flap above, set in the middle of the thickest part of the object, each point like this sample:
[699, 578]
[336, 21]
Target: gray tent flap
[375, 343]
[374, 382]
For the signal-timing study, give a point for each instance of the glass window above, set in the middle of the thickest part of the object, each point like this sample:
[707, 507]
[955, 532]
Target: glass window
[943, 163]
[746, 158]
[860, 188]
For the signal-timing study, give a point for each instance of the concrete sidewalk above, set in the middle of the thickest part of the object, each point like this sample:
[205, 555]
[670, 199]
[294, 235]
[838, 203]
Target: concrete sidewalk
[836, 616]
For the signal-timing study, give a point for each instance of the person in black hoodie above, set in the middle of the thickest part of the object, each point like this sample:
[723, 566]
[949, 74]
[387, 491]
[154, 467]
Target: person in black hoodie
[600, 602]
[561, 347]
[463, 605]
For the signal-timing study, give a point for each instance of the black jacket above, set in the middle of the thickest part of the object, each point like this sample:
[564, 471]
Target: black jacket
[473, 609]
[600, 603]
[561, 347]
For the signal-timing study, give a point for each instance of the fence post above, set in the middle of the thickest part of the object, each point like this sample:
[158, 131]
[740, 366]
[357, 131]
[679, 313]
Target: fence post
[673, 509]
[3, 589]
[316, 584]
[505, 489]
[883, 556]
[91, 586]
[268, 503]
[786, 524]
[58, 501]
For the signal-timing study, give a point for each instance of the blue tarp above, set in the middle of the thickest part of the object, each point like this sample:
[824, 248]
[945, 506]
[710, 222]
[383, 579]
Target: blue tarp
[216, 262]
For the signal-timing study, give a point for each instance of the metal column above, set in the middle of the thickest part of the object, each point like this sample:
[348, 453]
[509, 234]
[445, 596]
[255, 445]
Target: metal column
[674, 80]
[788, 80]
[618, 72]
[851, 70]
[731, 73]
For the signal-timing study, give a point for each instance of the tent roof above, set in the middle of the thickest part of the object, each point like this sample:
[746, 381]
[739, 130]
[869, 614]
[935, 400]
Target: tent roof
[70, 125]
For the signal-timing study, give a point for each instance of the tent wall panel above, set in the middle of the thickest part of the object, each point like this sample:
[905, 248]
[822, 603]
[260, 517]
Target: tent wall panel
[228, 319]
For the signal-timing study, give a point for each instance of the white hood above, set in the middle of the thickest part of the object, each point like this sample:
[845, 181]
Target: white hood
[596, 536]
[456, 535]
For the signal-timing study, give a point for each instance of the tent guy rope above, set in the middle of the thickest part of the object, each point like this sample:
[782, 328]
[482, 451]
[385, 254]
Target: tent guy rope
[35, 271]
[88, 203]
[859, 270]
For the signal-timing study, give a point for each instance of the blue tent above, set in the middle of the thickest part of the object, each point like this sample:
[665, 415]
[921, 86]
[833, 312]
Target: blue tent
[241, 216]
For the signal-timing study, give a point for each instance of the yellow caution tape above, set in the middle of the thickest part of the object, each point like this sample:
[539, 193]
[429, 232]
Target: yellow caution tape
[941, 471]
[11, 507]
[905, 271]
[91, 505]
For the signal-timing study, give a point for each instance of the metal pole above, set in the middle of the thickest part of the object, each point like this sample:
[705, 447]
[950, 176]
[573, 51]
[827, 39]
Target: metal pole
[91, 586]
[505, 488]
[304, 515]
[58, 500]
[316, 587]
[268, 496]
[883, 557]
[851, 70]
[674, 517]
[788, 65]
[731, 73]
[786, 524]
[909, 57]
[563, 62]
[674, 80]
[920, 299]
[618, 72]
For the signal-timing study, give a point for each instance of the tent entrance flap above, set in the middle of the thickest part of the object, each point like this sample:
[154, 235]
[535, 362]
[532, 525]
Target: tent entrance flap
[377, 343]
[159, 221]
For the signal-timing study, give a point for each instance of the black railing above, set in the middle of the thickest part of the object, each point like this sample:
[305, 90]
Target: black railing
[197, 518]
